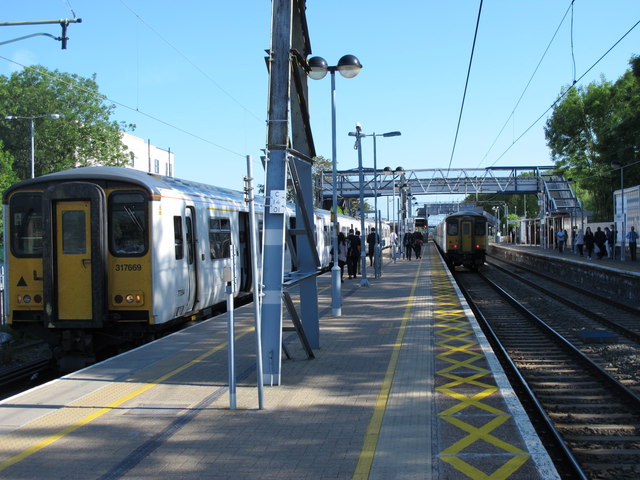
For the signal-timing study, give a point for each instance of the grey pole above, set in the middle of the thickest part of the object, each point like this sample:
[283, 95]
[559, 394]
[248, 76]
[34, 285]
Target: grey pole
[376, 249]
[336, 283]
[623, 222]
[33, 145]
[363, 254]
[256, 281]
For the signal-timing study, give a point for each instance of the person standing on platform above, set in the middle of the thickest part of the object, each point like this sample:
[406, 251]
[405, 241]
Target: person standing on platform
[579, 242]
[632, 237]
[342, 253]
[353, 254]
[609, 242]
[418, 240]
[561, 240]
[589, 241]
[393, 239]
[574, 233]
[408, 244]
[371, 243]
[600, 239]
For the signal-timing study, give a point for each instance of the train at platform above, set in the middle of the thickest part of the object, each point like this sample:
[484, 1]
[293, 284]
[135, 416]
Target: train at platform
[100, 257]
[462, 239]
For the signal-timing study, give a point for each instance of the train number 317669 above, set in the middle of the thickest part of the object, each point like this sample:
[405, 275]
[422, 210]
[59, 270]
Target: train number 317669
[128, 267]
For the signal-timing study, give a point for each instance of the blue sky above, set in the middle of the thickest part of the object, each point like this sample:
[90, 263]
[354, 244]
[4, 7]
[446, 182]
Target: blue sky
[192, 75]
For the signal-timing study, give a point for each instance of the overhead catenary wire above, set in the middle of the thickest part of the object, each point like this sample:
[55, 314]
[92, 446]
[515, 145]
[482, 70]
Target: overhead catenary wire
[524, 91]
[193, 64]
[466, 84]
[563, 94]
[123, 105]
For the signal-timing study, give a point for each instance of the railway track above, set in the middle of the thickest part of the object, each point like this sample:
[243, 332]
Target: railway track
[592, 418]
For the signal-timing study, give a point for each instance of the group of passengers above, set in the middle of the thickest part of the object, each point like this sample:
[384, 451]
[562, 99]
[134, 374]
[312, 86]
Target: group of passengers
[602, 242]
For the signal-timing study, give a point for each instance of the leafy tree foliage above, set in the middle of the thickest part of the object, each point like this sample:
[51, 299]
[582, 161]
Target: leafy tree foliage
[590, 128]
[84, 135]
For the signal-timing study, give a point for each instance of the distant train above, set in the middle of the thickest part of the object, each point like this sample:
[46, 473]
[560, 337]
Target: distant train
[462, 239]
[100, 256]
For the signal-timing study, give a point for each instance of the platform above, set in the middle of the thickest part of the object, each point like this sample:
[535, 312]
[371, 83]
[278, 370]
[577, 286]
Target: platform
[403, 386]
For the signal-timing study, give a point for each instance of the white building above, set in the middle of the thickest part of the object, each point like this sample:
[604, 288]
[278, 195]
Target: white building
[147, 157]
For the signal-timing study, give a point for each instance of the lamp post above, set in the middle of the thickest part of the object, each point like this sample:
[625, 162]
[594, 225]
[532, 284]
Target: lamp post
[349, 66]
[378, 266]
[31, 123]
[618, 165]
[394, 210]
[364, 282]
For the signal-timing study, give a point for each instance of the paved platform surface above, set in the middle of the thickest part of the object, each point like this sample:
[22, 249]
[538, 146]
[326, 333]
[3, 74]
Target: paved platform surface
[403, 386]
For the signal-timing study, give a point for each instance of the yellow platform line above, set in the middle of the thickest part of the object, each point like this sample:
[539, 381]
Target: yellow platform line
[367, 453]
[457, 344]
[106, 409]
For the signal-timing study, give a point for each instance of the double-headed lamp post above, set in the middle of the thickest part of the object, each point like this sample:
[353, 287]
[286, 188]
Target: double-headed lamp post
[396, 172]
[349, 66]
[31, 119]
[378, 265]
[618, 165]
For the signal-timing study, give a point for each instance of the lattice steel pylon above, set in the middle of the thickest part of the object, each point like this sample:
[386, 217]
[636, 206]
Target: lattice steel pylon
[290, 150]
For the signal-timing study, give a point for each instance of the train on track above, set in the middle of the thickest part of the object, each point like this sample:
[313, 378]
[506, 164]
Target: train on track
[462, 239]
[99, 257]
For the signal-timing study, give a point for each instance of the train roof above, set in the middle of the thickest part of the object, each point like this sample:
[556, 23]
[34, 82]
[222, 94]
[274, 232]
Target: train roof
[153, 183]
[466, 213]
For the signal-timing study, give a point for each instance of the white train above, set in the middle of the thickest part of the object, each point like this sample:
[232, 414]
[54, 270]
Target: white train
[99, 256]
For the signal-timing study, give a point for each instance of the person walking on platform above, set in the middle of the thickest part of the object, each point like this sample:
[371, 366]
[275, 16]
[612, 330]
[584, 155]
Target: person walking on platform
[371, 243]
[418, 240]
[342, 253]
[353, 254]
[632, 237]
[579, 242]
[600, 239]
[408, 244]
[561, 240]
[589, 241]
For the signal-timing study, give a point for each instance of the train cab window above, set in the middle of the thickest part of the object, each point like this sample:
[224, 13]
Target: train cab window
[26, 225]
[177, 237]
[480, 228]
[128, 223]
[452, 228]
[220, 238]
[466, 228]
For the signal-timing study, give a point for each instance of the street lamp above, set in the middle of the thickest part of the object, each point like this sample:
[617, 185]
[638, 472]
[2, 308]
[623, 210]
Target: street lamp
[349, 66]
[378, 265]
[31, 119]
[363, 256]
[397, 171]
[618, 165]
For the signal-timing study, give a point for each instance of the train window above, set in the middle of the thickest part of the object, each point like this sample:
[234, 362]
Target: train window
[177, 236]
[26, 225]
[74, 232]
[452, 228]
[480, 228]
[128, 224]
[466, 228]
[220, 238]
[189, 240]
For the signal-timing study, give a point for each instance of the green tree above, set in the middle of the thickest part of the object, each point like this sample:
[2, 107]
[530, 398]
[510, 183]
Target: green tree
[7, 178]
[592, 126]
[84, 135]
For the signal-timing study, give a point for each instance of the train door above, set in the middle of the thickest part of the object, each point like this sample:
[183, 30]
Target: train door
[192, 285]
[73, 260]
[74, 255]
[466, 235]
[243, 252]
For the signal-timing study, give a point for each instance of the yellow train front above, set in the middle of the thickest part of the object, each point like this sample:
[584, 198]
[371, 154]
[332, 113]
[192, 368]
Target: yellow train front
[462, 238]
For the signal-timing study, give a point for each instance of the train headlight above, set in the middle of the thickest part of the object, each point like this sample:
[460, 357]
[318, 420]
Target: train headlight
[27, 299]
[129, 298]
[37, 299]
[117, 299]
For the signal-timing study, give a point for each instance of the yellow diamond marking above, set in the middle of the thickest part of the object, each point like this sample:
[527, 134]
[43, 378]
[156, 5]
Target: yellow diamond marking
[456, 349]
